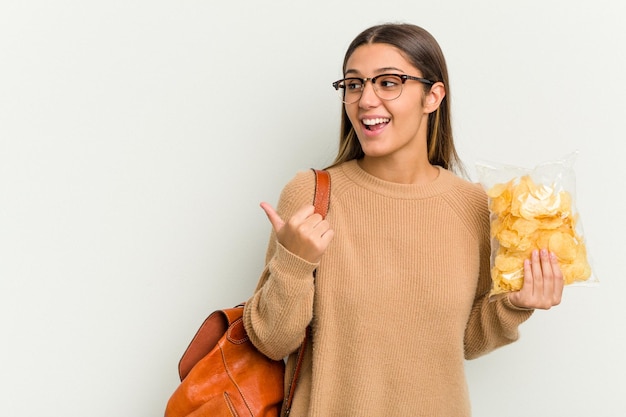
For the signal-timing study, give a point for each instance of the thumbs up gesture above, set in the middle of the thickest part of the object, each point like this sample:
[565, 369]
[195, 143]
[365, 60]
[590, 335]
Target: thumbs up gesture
[306, 234]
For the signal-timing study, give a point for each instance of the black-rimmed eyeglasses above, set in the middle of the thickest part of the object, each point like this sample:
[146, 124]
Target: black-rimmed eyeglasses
[386, 86]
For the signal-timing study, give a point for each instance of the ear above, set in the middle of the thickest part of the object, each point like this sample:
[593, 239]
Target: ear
[434, 97]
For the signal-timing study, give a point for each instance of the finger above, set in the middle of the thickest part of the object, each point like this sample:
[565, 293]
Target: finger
[303, 214]
[559, 282]
[527, 285]
[304, 221]
[321, 228]
[328, 236]
[519, 298]
[535, 264]
[547, 274]
[272, 215]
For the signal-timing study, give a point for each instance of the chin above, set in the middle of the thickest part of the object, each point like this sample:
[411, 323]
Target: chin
[375, 153]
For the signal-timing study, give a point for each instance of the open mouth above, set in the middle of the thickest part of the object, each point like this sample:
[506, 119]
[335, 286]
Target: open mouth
[375, 124]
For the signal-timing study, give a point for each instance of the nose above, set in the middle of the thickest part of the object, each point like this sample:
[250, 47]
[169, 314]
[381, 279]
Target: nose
[369, 98]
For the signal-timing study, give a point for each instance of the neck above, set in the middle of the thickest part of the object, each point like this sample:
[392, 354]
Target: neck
[410, 172]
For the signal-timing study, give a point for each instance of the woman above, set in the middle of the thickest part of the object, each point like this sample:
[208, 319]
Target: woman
[400, 296]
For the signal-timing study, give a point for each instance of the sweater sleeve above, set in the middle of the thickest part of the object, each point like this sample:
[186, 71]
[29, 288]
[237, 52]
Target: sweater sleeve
[493, 322]
[277, 314]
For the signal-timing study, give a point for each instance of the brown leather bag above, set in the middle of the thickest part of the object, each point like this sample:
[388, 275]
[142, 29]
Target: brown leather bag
[223, 374]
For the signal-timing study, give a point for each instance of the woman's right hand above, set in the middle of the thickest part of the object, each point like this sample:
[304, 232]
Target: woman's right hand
[306, 234]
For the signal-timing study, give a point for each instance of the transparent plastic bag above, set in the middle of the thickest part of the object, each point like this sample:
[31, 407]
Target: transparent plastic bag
[534, 209]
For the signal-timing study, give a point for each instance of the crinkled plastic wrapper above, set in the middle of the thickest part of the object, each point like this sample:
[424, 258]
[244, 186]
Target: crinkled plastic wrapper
[534, 209]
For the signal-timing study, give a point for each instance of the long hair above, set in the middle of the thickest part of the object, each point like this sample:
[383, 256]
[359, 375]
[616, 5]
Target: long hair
[422, 50]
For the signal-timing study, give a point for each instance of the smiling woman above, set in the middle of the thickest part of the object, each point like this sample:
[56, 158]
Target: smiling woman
[402, 230]
[404, 107]
[419, 50]
[137, 138]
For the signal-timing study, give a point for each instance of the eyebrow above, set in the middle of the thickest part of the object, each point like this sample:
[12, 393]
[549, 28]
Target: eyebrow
[378, 71]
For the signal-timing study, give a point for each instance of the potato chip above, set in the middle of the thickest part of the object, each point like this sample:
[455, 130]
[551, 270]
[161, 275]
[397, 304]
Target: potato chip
[500, 204]
[508, 263]
[539, 202]
[579, 268]
[500, 198]
[498, 189]
[565, 204]
[542, 237]
[503, 284]
[526, 242]
[563, 245]
[550, 223]
[508, 238]
[524, 226]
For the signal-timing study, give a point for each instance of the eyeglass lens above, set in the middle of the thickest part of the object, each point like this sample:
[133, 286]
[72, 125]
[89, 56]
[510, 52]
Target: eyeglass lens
[387, 87]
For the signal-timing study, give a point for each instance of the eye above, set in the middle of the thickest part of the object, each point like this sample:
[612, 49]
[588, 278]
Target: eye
[352, 84]
[389, 82]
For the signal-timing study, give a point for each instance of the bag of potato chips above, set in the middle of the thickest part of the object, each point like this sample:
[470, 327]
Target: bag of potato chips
[533, 209]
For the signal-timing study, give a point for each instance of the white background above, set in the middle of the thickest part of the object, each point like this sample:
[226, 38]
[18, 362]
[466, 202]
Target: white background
[138, 137]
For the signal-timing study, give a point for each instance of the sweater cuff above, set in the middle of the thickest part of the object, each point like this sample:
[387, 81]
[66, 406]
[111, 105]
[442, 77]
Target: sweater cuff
[287, 264]
[512, 306]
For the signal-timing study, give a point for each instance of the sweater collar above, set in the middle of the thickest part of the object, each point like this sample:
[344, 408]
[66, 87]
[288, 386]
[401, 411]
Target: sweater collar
[443, 183]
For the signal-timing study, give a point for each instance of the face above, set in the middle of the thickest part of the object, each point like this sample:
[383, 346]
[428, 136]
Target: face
[394, 128]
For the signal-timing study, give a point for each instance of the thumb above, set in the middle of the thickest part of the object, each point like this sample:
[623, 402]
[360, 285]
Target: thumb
[274, 218]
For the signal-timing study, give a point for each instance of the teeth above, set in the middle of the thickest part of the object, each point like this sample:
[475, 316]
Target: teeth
[372, 122]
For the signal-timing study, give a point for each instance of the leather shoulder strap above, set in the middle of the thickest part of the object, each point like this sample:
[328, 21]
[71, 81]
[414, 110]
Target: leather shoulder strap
[321, 201]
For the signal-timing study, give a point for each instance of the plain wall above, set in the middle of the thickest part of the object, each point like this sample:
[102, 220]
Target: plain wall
[137, 139]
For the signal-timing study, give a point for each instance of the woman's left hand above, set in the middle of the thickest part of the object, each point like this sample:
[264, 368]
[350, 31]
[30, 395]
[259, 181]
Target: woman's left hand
[543, 282]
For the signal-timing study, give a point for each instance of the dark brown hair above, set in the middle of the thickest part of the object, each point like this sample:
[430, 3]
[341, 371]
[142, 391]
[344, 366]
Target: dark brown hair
[421, 49]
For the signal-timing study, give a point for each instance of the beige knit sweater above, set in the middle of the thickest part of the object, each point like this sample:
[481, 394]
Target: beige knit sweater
[399, 299]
